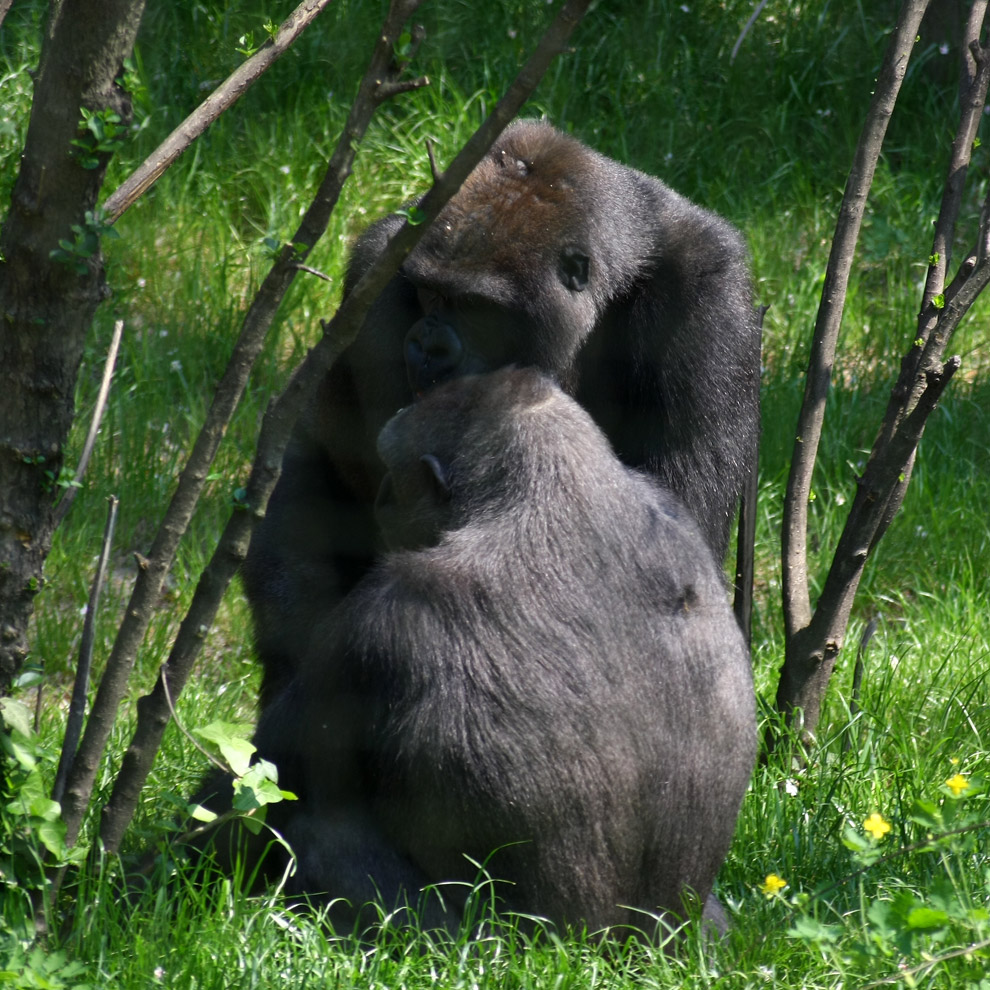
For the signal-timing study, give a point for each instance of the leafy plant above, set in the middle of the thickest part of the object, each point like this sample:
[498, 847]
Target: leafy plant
[914, 931]
[85, 242]
[102, 134]
[32, 833]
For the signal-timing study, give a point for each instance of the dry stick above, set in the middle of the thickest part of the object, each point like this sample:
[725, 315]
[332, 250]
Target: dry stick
[812, 650]
[794, 535]
[224, 96]
[742, 601]
[94, 427]
[742, 34]
[152, 570]
[80, 688]
[154, 709]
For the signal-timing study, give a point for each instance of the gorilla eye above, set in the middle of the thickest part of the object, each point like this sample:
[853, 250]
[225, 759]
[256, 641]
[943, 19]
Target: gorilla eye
[574, 269]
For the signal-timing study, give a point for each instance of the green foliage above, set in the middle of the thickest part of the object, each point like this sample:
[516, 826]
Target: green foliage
[255, 785]
[32, 834]
[910, 932]
[75, 254]
[102, 135]
[29, 967]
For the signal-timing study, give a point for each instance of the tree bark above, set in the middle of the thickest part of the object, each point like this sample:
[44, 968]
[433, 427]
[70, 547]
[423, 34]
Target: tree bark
[46, 305]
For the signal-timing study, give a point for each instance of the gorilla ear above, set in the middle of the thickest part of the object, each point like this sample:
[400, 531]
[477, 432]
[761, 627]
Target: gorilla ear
[574, 265]
[436, 477]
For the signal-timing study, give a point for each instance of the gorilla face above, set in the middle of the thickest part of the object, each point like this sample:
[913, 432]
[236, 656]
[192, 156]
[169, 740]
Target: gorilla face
[457, 336]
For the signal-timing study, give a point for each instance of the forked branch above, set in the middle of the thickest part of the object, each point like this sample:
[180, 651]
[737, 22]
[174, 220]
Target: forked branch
[223, 97]
[814, 638]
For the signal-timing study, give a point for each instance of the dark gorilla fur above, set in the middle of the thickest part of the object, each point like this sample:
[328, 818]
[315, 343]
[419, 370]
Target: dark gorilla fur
[636, 301]
[553, 683]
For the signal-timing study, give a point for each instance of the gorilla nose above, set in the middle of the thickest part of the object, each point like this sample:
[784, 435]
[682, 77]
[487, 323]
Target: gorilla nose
[433, 353]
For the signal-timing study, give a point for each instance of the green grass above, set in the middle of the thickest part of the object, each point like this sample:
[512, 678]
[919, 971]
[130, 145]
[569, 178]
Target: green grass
[766, 140]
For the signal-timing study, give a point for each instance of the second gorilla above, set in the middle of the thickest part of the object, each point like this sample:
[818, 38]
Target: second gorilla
[543, 676]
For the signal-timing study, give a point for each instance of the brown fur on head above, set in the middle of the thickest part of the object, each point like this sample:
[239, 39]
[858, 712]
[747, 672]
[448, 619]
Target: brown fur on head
[530, 193]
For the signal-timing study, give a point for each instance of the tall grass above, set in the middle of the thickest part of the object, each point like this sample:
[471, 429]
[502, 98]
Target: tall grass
[766, 140]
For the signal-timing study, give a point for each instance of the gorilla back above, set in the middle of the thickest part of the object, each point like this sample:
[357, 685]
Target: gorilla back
[556, 688]
[635, 300]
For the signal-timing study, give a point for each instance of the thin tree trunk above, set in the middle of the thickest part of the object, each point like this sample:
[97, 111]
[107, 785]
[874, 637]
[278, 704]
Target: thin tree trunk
[46, 304]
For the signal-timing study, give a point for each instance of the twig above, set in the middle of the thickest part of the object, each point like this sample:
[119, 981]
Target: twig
[742, 34]
[814, 638]
[94, 426]
[277, 424]
[80, 688]
[312, 271]
[857, 680]
[927, 965]
[742, 602]
[434, 171]
[223, 97]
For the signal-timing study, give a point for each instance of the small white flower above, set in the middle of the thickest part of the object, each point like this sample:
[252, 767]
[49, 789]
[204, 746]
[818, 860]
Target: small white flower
[176, 366]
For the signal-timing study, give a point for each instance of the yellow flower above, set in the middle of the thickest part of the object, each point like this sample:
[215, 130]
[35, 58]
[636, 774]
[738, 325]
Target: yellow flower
[876, 826]
[957, 784]
[773, 885]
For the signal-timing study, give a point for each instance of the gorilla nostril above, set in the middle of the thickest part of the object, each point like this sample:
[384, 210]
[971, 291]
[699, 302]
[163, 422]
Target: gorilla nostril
[433, 351]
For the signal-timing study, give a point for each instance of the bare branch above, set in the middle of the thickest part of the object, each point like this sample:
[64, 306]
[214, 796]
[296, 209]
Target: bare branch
[434, 171]
[746, 28]
[80, 687]
[283, 412]
[975, 70]
[94, 426]
[258, 319]
[313, 271]
[797, 600]
[971, 37]
[223, 97]
[811, 652]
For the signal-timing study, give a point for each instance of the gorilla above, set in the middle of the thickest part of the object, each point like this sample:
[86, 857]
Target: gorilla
[543, 675]
[633, 299]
